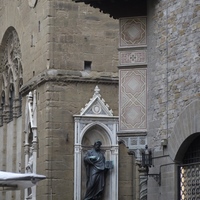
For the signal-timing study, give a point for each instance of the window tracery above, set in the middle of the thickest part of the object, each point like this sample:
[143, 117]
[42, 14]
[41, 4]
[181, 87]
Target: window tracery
[11, 76]
[2, 107]
[11, 101]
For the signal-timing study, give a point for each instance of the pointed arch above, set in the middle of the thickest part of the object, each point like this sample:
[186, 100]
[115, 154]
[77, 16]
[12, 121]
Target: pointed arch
[11, 71]
[9, 48]
[98, 130]
[10, 76]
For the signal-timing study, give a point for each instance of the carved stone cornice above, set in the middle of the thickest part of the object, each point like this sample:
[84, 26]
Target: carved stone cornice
[66, 76]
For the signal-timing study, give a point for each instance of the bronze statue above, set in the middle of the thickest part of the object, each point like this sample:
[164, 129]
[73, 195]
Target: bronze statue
[95, 172]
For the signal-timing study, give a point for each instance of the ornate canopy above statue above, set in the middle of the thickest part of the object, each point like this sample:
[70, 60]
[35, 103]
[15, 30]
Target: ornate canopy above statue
[95, 122]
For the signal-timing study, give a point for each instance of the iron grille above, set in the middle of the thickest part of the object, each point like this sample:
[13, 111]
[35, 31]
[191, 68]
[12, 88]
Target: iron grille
[189, 181]
[192, 154]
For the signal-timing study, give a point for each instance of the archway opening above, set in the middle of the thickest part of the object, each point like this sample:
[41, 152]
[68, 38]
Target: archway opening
[185, 145]
[189, 170]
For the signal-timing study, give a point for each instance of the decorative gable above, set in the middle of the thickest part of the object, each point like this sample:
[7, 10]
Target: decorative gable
[96, 106]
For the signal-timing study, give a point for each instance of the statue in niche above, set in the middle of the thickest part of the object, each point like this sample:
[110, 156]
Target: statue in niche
[96, 169]
[29, 169]
[29, 166]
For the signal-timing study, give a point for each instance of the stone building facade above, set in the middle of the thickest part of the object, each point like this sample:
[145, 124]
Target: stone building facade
[60, 51]
[170, 109]
[53, 54]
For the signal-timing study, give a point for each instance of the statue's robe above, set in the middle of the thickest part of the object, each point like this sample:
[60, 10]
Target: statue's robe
[95, 171]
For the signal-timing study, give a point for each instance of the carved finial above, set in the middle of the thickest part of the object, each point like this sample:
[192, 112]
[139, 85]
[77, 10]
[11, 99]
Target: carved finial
[96, 91]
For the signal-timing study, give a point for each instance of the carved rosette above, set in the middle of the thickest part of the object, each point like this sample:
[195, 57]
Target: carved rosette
[96, 109]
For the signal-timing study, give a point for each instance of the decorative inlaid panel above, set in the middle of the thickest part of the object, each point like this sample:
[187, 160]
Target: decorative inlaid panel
[132, 31]
[132, 57]
[132, 99]
[189, 182]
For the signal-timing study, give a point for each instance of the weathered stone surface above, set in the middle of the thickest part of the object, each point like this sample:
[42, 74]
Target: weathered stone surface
[56, 38]
[173, 71]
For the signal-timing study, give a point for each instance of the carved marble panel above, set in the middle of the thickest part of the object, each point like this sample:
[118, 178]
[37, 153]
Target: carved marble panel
[132, 58]
[132, 32]
[132, 99]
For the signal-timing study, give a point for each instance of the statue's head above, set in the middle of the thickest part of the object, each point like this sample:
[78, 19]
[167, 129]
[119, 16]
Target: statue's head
[97, 145]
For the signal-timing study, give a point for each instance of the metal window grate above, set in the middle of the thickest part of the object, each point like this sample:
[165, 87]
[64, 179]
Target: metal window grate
[189, 182]
[189, 173]
[193, 153]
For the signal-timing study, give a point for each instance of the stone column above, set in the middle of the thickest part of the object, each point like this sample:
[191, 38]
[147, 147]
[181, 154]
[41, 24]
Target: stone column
[26, 152]
[143, 183]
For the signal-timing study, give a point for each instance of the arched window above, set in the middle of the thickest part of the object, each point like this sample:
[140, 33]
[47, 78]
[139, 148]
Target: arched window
[12, 73]
[189, 172]
[2, 107]
[11, 101]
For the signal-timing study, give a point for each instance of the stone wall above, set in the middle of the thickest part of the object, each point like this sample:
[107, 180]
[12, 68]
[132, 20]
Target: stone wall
[56, 37]
[173, 57]
[32, 27]
[126, 174]
[57, 104]
[173, 79]
[61, 34]
[81, 33]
